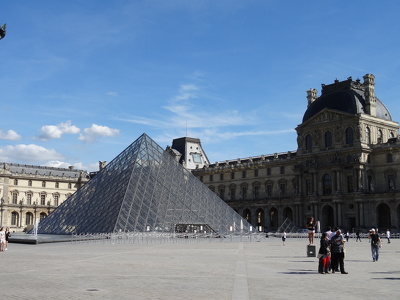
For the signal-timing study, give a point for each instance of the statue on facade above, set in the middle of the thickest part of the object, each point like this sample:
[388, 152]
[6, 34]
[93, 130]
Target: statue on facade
[2, 31]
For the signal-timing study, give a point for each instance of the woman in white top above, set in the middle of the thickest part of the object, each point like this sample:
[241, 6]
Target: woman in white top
[2, 239]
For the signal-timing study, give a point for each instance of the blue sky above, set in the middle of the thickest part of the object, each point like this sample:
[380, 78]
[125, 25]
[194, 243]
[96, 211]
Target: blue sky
[80, 80]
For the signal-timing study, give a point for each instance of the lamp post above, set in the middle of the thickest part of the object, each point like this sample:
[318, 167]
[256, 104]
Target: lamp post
[35, 209]
[2, 209]
[20, 209]
[48, 207]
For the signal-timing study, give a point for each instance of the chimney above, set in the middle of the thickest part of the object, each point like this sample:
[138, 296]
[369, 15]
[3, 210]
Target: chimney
[311, 96]
[102, 165]
[369, 92]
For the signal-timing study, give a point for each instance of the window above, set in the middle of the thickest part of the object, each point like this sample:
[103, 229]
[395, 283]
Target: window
[282, 189]
[256, 173]
[328, 139]
[308, 142]
[30, 183]
[15, 181]
[29, 219]
[233, 192]
[14, 198]
[268, 171]
[308, 187]
[327, 184]
[43, 199]
[349, 136]
[196, 158]
[56, 198]
[29, 199]
[282, 170]
[233, 175]
[244, 192]
[43, 183]
[389, 158]
[269, 190]
[201, 178]
[222, 193]
[244, 174]
[380, 136]
[221, 176]
[367, 135]
[256, 192]
[70, 185]
[57, 185]
[14, 218]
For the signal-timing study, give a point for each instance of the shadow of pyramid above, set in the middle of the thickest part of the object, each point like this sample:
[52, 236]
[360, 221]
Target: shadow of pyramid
[142, 189]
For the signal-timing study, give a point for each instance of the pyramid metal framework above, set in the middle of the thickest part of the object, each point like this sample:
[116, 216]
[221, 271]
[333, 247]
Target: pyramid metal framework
[143, 189]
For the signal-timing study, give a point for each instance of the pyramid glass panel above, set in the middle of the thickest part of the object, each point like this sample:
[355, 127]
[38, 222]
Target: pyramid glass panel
[143, 188]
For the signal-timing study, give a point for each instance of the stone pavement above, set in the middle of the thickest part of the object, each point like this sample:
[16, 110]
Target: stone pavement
[194, 270]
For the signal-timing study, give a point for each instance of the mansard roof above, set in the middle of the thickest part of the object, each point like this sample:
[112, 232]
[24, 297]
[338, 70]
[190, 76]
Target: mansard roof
[346, 96]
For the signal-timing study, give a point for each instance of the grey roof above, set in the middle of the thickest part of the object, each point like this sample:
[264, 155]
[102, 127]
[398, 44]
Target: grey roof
[43, 171]
[347, 97]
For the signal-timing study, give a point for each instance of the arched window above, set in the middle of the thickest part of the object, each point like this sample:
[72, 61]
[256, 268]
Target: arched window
[308, 142]
[327, 184]
[367, 135]
[15, 198]
[14, 218]
[380, 137]
[349, 135]
[328, 139]
[29, 218]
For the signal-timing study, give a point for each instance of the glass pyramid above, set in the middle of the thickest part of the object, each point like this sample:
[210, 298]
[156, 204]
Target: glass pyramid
[143, 189]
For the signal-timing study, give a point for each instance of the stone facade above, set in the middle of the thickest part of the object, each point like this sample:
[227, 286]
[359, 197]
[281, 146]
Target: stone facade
[30, 192]
[344, 172]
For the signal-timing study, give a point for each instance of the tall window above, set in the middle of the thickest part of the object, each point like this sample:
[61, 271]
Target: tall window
[282, 189]
[233, 175]
[349, 136]
[282, 170]
[56, 199]
[391, 182]
[367, 135]
[389, 158]
[43, 199]
[328, 139]
[211, 179]
[256, 192]
[268, 171]
[29, 219]
[29, 199]
[14, 218]
[43, 183]
[233, 193]
[14, 198]
[221, 176]
[327, 184]
[244, 192]
[30, 183]
[15, 181]
[57, 185]
[308, 142]
[256, 173]
[269, 190]
[222, 193]
[244, 174]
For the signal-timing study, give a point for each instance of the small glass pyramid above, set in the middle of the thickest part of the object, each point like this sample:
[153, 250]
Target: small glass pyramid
[143, 189]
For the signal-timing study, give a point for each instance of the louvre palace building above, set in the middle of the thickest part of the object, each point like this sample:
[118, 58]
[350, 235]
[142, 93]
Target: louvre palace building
[344, 172]
[29, 193]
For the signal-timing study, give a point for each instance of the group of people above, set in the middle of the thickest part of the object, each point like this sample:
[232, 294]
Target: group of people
[4, 236]
[331, 252]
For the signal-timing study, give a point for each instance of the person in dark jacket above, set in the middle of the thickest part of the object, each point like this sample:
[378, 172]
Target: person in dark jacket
[324, 254]
[337, 248]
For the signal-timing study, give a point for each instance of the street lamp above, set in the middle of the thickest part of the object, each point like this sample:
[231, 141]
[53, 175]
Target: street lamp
[1, 205]
[20, 209]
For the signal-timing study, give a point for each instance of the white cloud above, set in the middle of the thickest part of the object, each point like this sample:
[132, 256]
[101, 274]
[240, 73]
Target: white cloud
[96, 131]
[28, 153]
[56, 131]
[9, 135]
[63, 164]
[113, 94]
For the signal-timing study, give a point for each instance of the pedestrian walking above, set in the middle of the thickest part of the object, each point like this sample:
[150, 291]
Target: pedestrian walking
[358, 236]
[284, 238]
[388, 235]
[324, 255]
[375, 244]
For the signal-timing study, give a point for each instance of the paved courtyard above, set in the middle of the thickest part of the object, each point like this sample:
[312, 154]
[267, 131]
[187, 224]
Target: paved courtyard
[194, 270]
